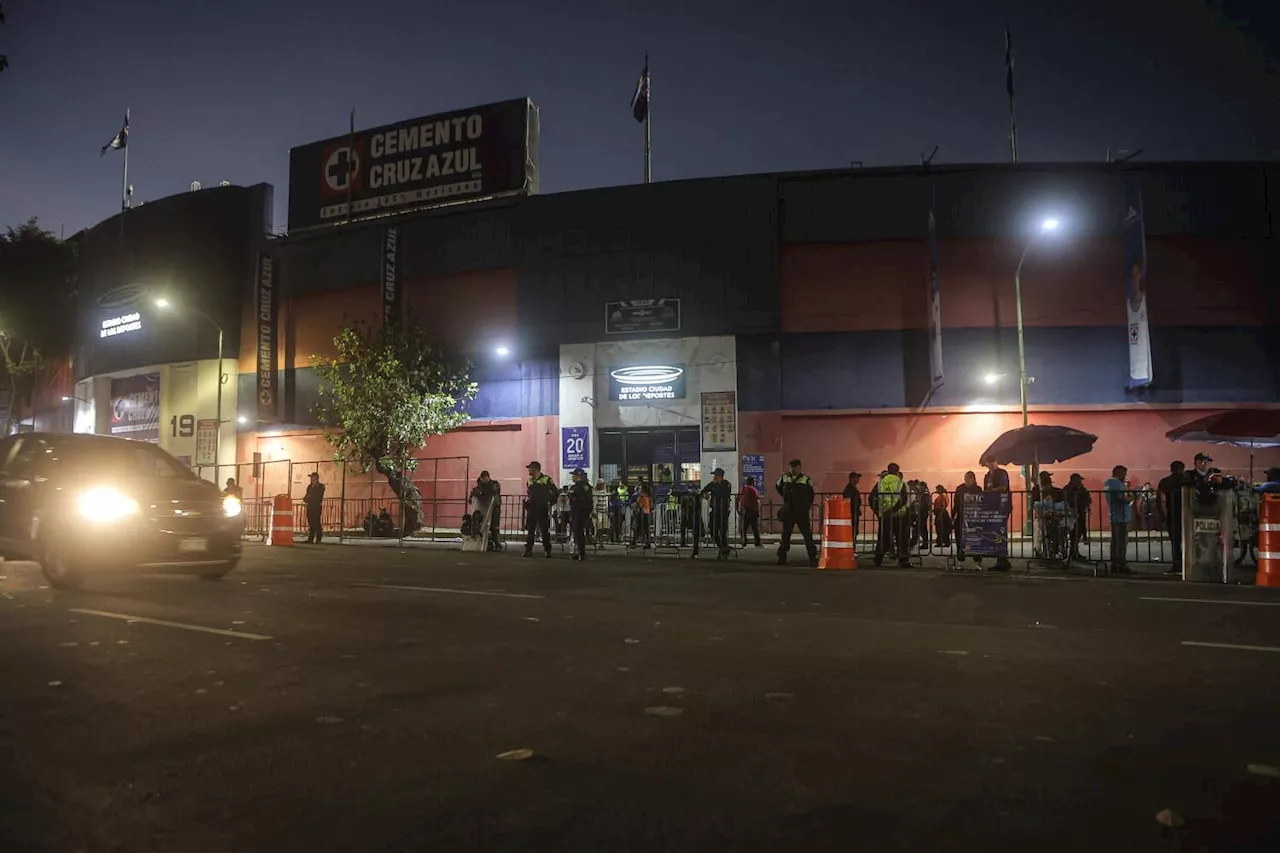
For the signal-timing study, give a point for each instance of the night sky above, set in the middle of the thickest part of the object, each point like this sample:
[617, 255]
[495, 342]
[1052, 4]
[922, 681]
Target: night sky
[222, 90]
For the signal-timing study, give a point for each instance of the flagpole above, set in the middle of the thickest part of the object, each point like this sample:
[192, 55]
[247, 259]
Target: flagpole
[351, 162]
[1008, 85]
[124, 184]
[648, 117]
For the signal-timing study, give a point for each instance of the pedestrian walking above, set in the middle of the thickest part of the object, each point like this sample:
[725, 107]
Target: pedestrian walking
[540, 494]
[1169, 491]
[581, 503]
[796, 490]
[314, 502]
[749, 506]
[717, 493]
[1120, 508]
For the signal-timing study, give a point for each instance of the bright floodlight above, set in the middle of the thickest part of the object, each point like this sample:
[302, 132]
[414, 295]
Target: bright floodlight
[991, 378]
[66, 399]
[1050, 224]
[162, 303]
[503, 351]
[242, 419]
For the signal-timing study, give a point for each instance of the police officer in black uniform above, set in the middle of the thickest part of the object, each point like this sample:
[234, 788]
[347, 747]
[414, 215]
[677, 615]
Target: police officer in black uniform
[718, 493]
[542, 492]
[581, 503]
[796, 491]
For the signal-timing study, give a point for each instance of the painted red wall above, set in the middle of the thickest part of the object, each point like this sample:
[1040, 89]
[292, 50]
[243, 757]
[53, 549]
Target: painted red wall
[939, 448]
[1067, 282]
[504, 448]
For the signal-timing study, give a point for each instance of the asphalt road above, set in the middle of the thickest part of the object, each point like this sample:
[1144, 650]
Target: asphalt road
[360, 697]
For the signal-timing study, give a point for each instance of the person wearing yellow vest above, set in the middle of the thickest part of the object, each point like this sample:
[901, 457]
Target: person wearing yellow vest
[796, 490]
[542, 492]
[888, 500]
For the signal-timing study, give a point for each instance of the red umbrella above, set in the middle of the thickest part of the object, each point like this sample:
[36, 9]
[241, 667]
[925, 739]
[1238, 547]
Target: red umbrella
[1251, 428]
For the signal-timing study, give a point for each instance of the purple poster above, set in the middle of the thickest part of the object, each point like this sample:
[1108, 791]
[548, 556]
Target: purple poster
[575, 448]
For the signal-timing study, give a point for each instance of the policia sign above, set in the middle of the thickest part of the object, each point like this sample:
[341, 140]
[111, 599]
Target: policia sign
[468, 154]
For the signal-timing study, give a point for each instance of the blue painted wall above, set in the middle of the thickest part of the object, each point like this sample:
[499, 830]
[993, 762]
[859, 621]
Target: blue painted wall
[1070, 366]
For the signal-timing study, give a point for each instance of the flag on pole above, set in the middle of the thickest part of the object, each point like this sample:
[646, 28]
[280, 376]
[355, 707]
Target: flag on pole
[121, 139]
[640, 100]
[1008, 62]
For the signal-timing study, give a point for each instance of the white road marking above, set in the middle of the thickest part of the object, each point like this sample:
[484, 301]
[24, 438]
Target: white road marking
[451, 591]
[201, 628]
[1242, 648]
[1213, 601]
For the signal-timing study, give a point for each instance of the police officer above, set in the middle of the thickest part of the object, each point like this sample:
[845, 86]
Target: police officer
[581, 503]
[796, 491]
[717, 493]
[889, 502]
[541, 493]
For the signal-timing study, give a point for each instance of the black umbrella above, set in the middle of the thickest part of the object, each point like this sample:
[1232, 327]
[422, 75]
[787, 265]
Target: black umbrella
[1038, 445]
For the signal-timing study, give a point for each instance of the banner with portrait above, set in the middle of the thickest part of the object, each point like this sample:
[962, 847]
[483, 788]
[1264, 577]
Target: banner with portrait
[1135, 279]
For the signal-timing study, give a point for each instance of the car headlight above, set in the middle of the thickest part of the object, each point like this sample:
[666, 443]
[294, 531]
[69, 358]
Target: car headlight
[104, 506]
[231, 506]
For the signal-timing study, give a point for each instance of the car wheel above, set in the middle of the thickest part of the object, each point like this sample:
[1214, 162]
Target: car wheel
[59, 571]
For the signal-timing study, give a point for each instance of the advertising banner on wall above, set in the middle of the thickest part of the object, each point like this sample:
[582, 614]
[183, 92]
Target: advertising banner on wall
[135, 407]
[207, 442]
[391, 278]
[719, 420]
[267, 384]
[641, 315]
[575, 448]
[648, 383]
[986, 524]
[1135, 280]
[935, 299]
[450, 157]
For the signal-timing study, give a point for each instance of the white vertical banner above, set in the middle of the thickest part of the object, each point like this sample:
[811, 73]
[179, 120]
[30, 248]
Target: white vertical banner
[1135, 267]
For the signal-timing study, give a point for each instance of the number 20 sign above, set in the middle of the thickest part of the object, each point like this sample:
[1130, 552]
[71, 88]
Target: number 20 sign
[575, 447]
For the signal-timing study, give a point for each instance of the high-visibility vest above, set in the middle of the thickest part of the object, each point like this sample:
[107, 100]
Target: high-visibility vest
[623, 494]
[890, 491]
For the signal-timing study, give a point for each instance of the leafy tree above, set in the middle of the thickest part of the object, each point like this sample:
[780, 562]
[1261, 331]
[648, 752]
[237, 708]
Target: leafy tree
[382, 395]
[37, 306]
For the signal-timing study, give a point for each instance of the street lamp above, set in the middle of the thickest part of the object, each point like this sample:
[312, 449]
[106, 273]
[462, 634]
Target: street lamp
[1047, 226]
[67, 398]
[217, 439]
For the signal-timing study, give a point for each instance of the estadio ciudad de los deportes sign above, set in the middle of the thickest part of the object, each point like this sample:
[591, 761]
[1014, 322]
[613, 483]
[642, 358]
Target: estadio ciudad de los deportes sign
[454, 156]
[647, 383]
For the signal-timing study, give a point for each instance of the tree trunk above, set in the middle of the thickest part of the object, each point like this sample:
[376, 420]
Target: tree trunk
[410, 498]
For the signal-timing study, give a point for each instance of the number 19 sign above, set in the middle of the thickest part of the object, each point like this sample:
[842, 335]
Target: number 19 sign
[575, 447]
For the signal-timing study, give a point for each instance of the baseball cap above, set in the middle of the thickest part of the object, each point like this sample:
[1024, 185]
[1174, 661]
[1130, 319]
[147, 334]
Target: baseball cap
[577, 471]
[1203, 457]
[793, 463]
[534, 465]
[718, 472]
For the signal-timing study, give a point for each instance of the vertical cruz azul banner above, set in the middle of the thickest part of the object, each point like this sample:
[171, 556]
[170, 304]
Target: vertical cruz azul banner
[266, 306]
[1135, 273]
[935, 298]
[391, 278]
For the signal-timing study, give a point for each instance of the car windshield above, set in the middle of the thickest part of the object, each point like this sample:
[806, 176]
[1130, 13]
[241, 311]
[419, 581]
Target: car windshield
[119, 460]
